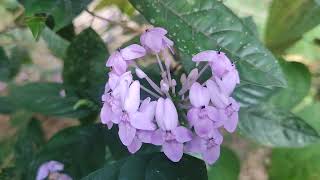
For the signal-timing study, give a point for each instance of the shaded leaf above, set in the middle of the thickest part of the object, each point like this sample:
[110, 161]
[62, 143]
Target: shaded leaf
[62, 11]
[289, 20]
[6, 106]
[299, 82]
[226, 168]
[84, 65]
[273, 126]
[205, 24]
[56, 44]
[311, 114]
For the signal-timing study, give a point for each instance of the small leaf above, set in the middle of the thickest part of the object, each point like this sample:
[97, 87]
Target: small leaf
[36, 25]
[289, 20]
[299, 82]
[56, 44]
[226, 168]
[84, 66]
[62, 11]
[272, 126]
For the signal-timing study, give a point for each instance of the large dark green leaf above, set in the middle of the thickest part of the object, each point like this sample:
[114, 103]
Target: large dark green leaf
[289, 20]
[276, 127]
[226, 168]
[295, 164]
[311, 114]
[46, 98]
[81, 149]
[63, 11]
[6, 106]
[154, 166]
[206, 24]
[36, 24]
[84, 65]
[299, 82]
[4, 65]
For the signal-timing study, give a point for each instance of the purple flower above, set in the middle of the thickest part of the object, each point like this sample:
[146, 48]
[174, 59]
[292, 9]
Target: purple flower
[142, 136]
[208, 147]
[129, 116]
[154, 40]
[170, 135]
[49, 167]
[119, 59]
[230, 124]
[218, 98]
[199, 95]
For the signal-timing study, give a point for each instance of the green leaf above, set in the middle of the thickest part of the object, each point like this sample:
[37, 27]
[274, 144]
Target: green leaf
[6, 106]
[29, 141]
[84, 65]
[295, 164]
[154, 166]
[4, 65]
[46, 98]
[289, 20]
[226, 168]
[202, 25]
[81, 149]
[299, 82]
[251, 25]
[36, 25]
[56, 44]
[123, 5]
[311, 115]
[62, 11]
[272, 126]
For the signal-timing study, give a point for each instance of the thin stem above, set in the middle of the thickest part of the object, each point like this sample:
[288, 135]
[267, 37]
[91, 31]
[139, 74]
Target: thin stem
[160, 64]
[149, 91]
[154, 85]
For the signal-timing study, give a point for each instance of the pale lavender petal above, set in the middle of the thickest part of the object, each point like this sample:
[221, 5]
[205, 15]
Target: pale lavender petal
[217, 136]
[182, 134]
[145, 136]
[117, 63]
[158, 137]
[126, 133]
[140, 121]
[43, 172]
[166, 114]
[231, 124]
[173, 150]
[227, 83]
[55, 166]
[64, 177]
[221, 64]
[133, 51]
[113, 79]
[116, 117]
[219, 99]
[193, 116]
[158, 30]
[211, 155]
[204, 56]
[194, 145]
[135, 145]
[218, 116]
[199, 95]
[152, 41]
[105, 115]
[203, 127]
[132, 100]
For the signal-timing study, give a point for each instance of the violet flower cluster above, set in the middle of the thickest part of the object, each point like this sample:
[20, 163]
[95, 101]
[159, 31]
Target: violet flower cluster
[186, 120]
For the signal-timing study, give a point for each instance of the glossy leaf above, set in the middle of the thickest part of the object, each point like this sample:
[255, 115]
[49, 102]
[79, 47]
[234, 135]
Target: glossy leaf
[206, 24]
[46, 98]
[272, 126]
[311, 114]
[295, 164]
[299, 82]
[62, 11]
[226, 168]
[289, 20]
[81, 149]
[36, 24]
[84, 65]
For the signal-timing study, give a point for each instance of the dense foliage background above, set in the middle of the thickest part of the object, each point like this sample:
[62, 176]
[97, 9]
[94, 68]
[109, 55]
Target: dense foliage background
[52, 74]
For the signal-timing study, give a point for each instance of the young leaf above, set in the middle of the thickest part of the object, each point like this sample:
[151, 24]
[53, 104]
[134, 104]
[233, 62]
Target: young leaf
[203, 25]
[36, 25]
[46, 98]
[299, 82]
[226, 168]
[275, 127]
[62, 11]
[84, 65]
[289, 20]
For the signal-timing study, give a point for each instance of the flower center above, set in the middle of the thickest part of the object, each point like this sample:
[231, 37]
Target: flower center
[124, 117]
[169, 136]
[211, 143]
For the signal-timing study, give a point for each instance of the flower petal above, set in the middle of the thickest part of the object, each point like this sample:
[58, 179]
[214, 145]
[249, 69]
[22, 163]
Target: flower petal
[158, 137]
[231, 124]
[203, 128]
[158, 30]
[194, 145]
[199, 96]
[126, 133]
[204, 56]
[105, 115]
[211, 155]
[145, 136]
[132, 100]
[166, 114]
[140, 121]
[135, 145]
[219, 99]
[182, 134]
[133, 51]
[173, 150]
[193, 116]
